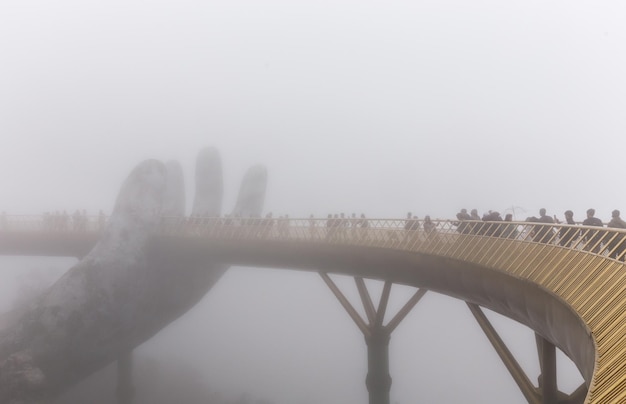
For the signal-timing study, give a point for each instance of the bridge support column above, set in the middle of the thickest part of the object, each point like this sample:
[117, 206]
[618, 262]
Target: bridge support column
[378, 379]
[547, 363]
[377, 335]
[125, 391]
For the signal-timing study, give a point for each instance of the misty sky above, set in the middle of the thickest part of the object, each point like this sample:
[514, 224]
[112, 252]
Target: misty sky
[373, 107]
[380, 108]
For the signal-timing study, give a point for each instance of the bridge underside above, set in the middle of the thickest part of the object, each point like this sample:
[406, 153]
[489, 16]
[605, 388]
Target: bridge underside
[521, 300]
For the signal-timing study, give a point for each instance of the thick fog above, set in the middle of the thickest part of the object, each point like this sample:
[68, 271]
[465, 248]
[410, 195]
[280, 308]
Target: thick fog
[355, 107]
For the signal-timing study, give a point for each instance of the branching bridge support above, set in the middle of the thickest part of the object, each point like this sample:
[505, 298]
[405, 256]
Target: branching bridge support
[547, 391]
[376, 334]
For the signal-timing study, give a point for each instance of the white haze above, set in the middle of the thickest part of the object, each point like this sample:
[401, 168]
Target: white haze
[365, 107]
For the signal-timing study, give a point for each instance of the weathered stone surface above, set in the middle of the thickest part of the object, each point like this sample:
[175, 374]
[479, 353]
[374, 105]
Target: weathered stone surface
[22, 376]
[209, 184]
[174, 203]
[96, 309]
[252, 192]
[123, 292]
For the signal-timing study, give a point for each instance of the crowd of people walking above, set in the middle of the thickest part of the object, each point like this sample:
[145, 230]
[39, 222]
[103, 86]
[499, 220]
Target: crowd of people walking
[543, 228]
[77, 221]
[566, 235]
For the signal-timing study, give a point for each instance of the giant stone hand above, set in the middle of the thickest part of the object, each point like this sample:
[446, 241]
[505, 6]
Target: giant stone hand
[119, 295]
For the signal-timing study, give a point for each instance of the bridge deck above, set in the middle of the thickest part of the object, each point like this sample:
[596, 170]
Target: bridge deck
[567, 283]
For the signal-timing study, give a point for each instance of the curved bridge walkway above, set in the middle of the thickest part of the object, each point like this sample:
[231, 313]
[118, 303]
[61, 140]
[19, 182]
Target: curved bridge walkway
[567, 283]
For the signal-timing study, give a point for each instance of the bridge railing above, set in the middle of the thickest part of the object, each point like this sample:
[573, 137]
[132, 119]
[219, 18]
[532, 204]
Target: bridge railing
[413, 234]
[52, 223]
[435, 235]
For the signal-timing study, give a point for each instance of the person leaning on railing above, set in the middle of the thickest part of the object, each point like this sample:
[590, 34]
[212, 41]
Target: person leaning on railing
[329, 226]
[430, 228]
[462, 226]
[542, 233]
[312, 226]
[354, 223]
[617, 245]
[343, 225]
[409, 225]
[593, 239]
[363, 225]
[266, 224]
[474, 227]
[567, 234]
[509, 230]
[332, 225]
[491, 229]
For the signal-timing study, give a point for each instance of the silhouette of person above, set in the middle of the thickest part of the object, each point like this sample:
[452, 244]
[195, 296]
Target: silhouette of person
[567, 234]
[363, 225]
[429, 226]
[334, 227]
[593, 239]
[461, 225]
[408, 221]
[267, 223]
[343, 225]
[474, 227]
[329, 226]
[617, 245]
[354, 222]
[363, 222]
[543, 233]
[430, 230]
[509, 230]
[411, 225]
[491, 229]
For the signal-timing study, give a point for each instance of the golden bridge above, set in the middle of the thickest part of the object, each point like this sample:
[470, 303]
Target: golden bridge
[567, 283]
